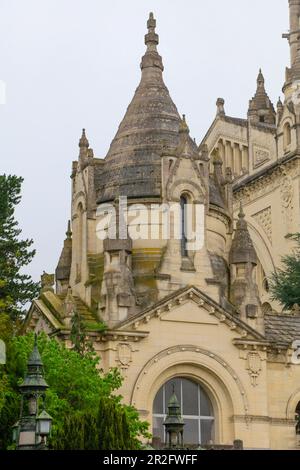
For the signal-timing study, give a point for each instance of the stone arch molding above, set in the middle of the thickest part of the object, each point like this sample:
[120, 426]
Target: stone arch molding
[292, 404]
[185, 186]
[154, 374]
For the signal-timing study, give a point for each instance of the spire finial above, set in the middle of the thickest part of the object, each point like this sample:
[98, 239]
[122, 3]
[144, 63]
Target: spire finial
[241, 213]
[260, 78]
[220, 107]
[69, 231]
[151, 39]
[83, 142]
[184, 128]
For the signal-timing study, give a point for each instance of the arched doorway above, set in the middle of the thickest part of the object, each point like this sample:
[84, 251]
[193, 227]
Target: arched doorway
[196, 408]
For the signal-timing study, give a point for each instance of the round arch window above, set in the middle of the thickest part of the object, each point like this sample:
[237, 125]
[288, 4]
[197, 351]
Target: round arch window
[196, 409]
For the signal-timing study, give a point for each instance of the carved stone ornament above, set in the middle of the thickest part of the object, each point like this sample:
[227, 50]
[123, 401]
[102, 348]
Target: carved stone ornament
[264, 219]
[286, 194]
[254, 367]
[124, 355]
[260, 156]
[47, 281]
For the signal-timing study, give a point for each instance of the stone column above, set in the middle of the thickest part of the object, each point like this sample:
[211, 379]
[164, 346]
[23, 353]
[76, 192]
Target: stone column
[236, 157]
[245, 159]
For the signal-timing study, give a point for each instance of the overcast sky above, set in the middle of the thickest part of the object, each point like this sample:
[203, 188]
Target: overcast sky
[70, 64]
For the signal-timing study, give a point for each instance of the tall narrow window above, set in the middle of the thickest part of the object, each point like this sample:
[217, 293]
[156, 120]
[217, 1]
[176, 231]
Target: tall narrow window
[287, 135]
[183, 205]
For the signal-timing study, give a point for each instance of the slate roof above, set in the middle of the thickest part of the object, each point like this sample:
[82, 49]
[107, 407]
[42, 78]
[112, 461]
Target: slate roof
[282, 328]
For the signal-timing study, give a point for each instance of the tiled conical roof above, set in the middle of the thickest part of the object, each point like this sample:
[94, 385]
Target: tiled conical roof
[261, 103]
[133, 164]
[242, 249]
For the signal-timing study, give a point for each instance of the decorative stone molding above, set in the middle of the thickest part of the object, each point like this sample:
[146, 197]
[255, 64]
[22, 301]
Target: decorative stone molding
[264, 219]
[286, 194]
[254, 367]
[266, 183]
[124, 355]
[263, 419]
[261, 156]
[198, 350]
[126, 336]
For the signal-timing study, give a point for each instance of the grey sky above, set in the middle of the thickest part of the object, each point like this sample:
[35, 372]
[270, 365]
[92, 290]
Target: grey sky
[70, 64]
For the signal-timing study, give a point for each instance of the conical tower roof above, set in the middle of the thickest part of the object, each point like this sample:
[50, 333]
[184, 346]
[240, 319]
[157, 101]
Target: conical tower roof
[261, 102]
[242, 249]
[133, 167]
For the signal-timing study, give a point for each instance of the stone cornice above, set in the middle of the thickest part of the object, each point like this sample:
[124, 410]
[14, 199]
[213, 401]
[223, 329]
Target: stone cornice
[263, 419]
[266, 172]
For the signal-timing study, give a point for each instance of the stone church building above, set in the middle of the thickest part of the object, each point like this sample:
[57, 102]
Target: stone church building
[201, 321]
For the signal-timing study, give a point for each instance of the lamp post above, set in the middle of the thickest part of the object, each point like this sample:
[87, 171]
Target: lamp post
[32, 428]
[174, 424]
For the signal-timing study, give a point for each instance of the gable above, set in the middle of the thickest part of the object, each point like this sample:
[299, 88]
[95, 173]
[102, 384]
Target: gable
[189, 306]
[189, 312]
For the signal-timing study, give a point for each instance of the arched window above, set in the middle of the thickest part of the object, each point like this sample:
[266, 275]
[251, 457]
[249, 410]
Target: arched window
[297, 417]
[183, 205]
[287, 135]
[196, 409]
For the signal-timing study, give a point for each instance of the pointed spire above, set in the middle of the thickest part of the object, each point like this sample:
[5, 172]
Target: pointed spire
[152, 58]
[83, 142]
[242, 249]
[261, 110]
[241, 213]
[279, 109]
[151, 119]
[184, 128]
[69, 231]
[63, 269]
[151, 38]
[260, 79]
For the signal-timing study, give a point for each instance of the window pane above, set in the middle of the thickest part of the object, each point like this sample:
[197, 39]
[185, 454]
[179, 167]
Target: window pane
[205, 405]
[190, 398]
[191, 431]
[169, 391]
[207, 431]
[158, 403]
[158, 429]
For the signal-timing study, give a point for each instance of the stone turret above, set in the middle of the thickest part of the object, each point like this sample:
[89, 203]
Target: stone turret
[117, 290]
[63, 270]
[293, 34]
[133, 164]
[243, 260]
[261, 109]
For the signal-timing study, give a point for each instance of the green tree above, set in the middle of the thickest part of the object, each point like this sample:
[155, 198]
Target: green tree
[75, 386]
[78, 335]
[285, 282]
[16, 289]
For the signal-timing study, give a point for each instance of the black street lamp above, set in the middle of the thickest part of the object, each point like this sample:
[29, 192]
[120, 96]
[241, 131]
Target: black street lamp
[32, 428]
[174, 424]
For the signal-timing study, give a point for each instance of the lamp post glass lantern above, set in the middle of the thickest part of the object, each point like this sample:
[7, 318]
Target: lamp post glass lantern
[43, 424]
[174, 424]
[15, 431]
[32, 428]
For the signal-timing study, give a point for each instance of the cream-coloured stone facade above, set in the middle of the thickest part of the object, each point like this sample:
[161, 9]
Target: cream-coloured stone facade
[201, 319]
